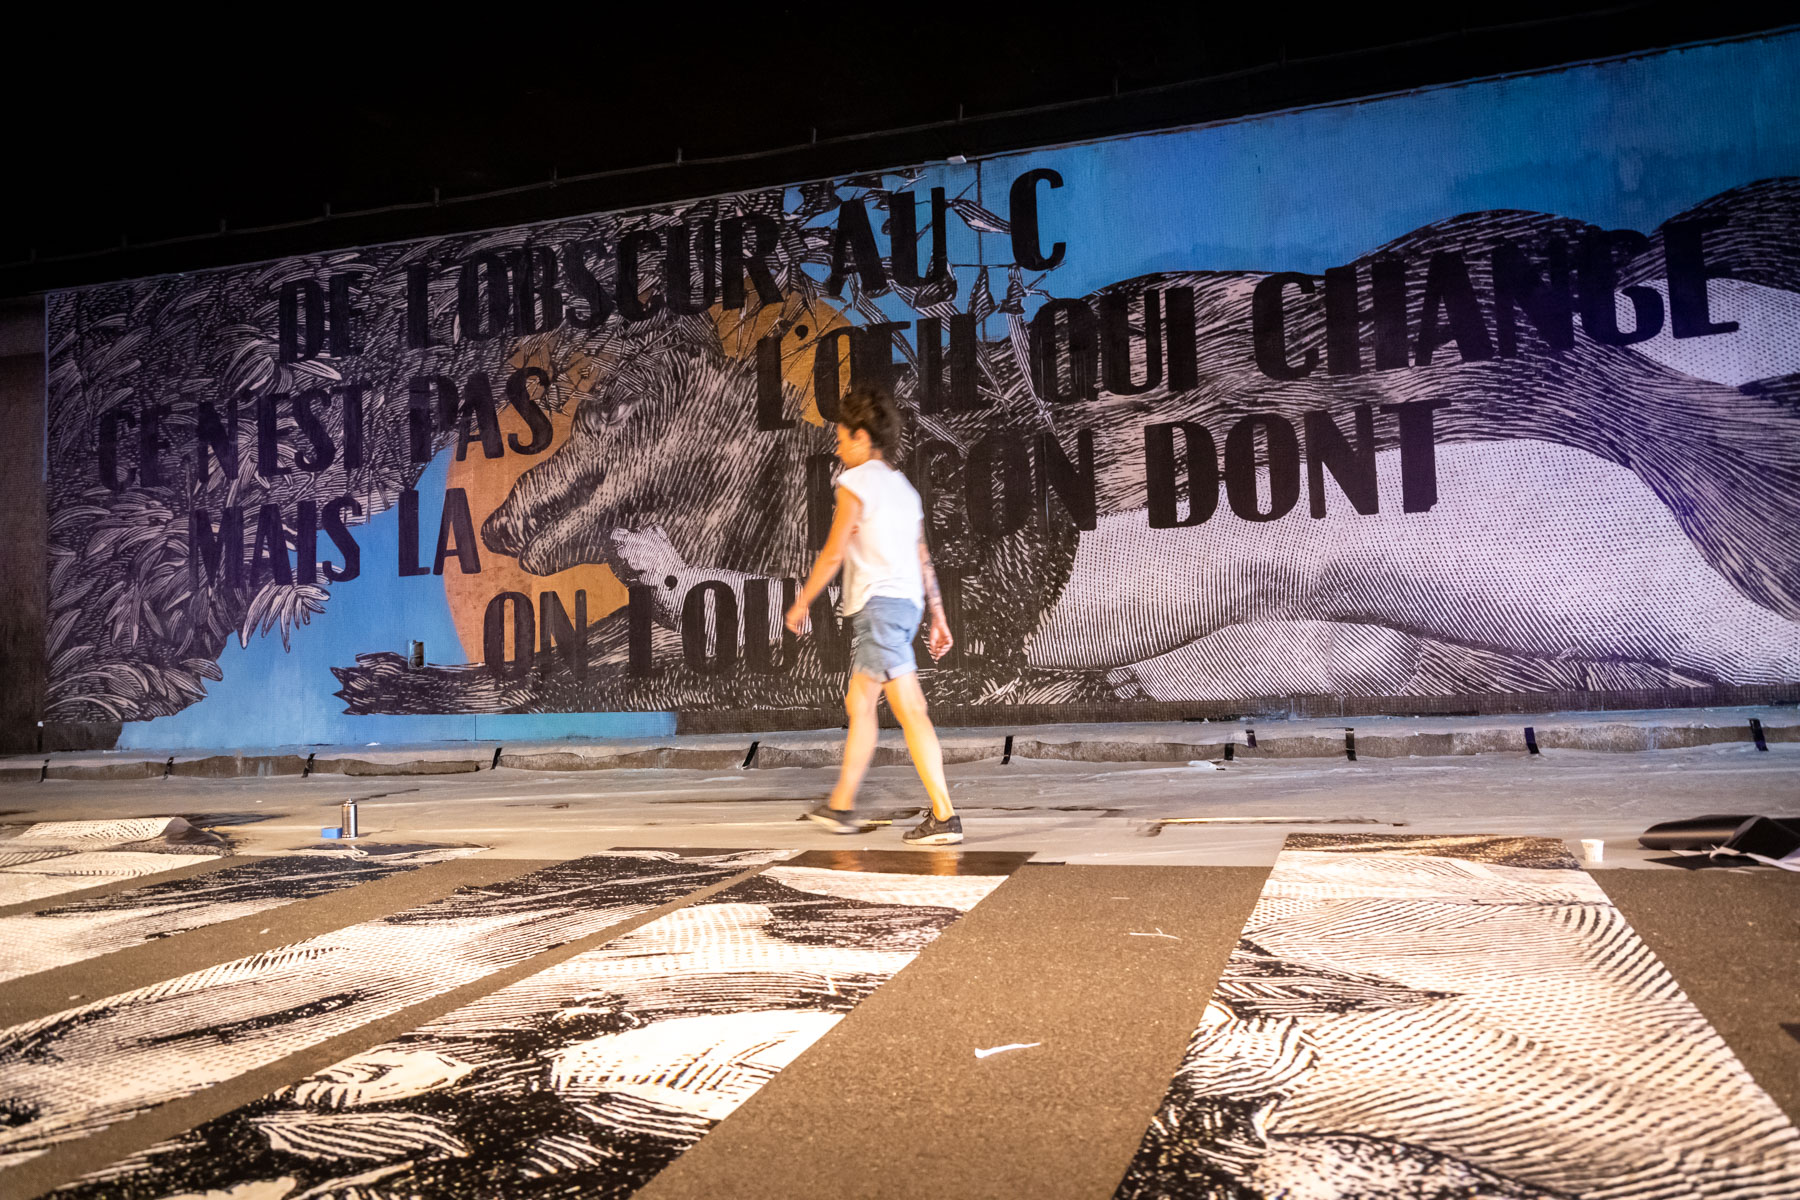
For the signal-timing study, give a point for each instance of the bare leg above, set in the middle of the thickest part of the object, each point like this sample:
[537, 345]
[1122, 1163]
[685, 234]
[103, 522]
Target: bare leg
[859, 744]
[907, 700]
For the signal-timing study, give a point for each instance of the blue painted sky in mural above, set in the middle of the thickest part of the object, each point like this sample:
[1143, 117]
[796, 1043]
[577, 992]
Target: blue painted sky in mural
[1624, 145]
[275, 697]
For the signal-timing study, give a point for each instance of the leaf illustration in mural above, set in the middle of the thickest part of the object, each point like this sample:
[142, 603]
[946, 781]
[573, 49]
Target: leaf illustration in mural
[816, 199]
[250, 358]
[934, 297]
[981, 297]
[978, 218]
[282, 604]
[1017, 291]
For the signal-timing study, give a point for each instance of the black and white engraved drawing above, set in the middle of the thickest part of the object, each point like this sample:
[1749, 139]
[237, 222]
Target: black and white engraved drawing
[588, 1078]
[52, 857]
[82, 929]
[1427, 542]
[1438, 1017]
[81, 1070]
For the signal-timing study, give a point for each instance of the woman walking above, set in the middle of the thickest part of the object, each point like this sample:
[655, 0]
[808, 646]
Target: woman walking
[878, 539]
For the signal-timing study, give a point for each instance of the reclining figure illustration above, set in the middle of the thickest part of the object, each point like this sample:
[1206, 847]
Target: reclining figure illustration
[1605, 516]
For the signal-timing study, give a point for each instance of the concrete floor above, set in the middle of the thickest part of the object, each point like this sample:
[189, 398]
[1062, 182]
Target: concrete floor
[1181, 849]
[1237, 813]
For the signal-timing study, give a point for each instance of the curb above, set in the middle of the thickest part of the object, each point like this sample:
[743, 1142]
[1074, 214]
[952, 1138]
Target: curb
[823, 749]
[668, 758]
[774, 755]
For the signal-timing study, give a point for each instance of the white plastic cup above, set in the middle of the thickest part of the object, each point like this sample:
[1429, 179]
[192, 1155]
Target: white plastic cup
[1593, 850]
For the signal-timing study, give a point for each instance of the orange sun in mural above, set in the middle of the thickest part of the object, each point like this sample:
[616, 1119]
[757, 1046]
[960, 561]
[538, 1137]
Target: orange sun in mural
[488, 481]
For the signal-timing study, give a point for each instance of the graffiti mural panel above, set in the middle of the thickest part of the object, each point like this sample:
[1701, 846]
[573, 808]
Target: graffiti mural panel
[1489, 389]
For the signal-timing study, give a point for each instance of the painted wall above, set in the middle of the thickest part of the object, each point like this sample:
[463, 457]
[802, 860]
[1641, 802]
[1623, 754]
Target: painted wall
[21, 524]
[1489, 388]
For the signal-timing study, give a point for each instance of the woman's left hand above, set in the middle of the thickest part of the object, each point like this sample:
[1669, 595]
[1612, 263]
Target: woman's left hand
[939, 641]
[798, 619]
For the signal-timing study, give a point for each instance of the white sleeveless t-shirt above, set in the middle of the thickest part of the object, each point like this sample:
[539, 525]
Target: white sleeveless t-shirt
[882, 558]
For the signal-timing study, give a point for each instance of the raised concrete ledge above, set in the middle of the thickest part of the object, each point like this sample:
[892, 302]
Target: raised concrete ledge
[1402, 737]
[674, 758]
[234, 766]
[688, 752]
[117, 769]
[825, 747]
[1153, 742]
[417, 766]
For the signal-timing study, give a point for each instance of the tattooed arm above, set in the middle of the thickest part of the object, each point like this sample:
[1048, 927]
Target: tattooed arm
[939, 640]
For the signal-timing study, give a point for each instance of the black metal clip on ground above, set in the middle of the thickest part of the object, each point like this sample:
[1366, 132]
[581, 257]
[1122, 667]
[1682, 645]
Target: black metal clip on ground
[1774, 840]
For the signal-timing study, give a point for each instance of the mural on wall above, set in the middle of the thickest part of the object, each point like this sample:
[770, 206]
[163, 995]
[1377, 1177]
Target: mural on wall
[1182, 436]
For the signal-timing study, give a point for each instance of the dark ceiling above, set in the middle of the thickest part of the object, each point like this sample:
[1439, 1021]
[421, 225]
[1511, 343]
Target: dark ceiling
[147, 150]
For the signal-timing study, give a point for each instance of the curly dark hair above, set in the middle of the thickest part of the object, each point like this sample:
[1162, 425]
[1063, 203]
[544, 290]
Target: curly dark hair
[873, 411]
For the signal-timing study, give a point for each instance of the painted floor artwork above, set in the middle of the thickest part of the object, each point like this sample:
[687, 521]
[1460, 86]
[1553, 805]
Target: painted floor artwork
[53, 857]
[1468, 1017]
[1402, 1018]
[82, 929]
[82, 1070]
[587, 1079]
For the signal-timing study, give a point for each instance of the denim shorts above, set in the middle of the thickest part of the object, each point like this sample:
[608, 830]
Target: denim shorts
[881, 637]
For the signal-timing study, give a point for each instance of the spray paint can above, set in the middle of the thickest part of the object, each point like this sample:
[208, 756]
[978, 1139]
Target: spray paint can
[416, 659]
[349, 819]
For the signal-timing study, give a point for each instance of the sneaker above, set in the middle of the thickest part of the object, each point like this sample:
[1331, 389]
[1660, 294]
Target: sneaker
[933, 832]
[838, 820]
